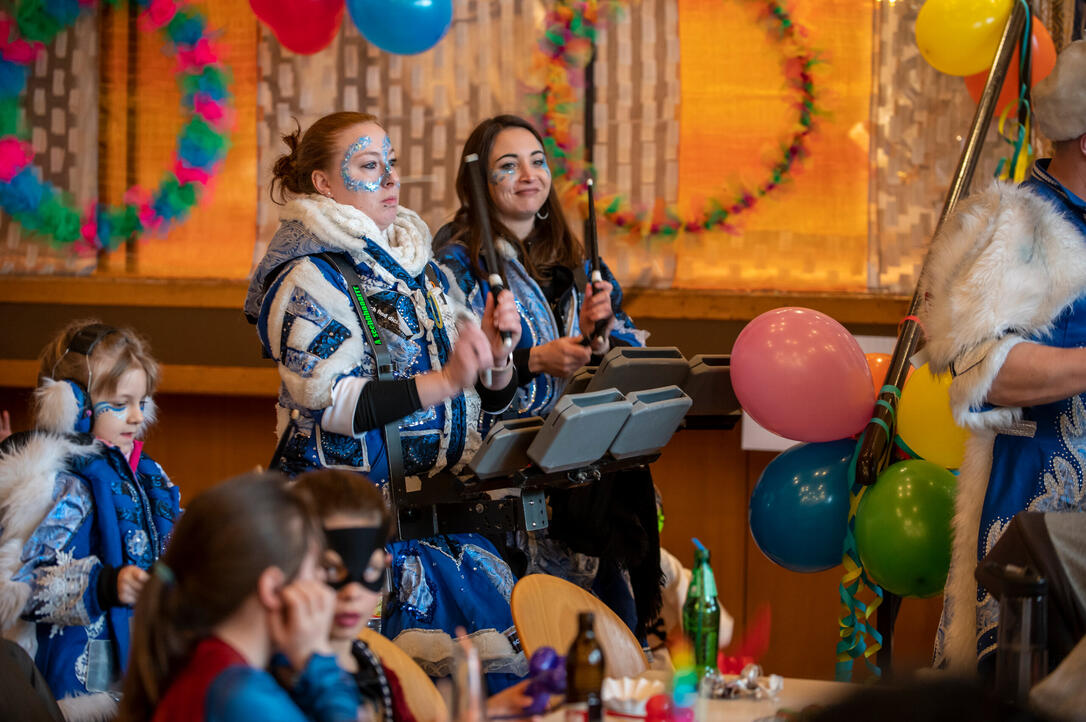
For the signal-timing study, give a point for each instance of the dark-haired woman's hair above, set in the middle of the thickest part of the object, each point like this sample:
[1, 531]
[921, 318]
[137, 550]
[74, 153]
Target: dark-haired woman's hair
[310, 151]
[551, 243]
[224, 541]
[332, 491]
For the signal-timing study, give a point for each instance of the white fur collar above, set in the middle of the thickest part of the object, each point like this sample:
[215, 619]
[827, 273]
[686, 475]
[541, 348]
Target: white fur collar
[407, 240]
[506, 249]
[1006, 262]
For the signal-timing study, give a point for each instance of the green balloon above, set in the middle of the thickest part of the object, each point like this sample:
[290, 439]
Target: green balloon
[903, 528]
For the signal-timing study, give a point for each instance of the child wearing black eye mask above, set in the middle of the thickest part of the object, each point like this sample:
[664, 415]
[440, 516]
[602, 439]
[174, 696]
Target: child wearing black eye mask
[356, 523]
[356, 527]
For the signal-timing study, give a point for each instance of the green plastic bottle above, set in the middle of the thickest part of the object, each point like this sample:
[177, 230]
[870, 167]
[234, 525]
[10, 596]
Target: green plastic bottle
[701, 613]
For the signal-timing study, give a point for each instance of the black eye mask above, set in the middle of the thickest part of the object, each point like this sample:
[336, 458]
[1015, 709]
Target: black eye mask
[355, 546]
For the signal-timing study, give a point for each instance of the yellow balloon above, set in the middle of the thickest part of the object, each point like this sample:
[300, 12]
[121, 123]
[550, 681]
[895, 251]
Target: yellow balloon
[960, 37]
[925, 422]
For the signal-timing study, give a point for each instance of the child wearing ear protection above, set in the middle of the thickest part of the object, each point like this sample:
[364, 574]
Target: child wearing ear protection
[84, 513]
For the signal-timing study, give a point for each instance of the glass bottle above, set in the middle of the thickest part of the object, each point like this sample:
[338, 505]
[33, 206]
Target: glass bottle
[701, 613]
[584, 674]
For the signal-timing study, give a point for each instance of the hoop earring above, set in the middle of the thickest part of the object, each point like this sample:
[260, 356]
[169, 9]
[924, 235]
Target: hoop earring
[543, 217]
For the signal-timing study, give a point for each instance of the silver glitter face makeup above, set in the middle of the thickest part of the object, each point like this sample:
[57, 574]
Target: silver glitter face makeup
[349, 181]
[508, 169]
[505, 172]
[354, 183]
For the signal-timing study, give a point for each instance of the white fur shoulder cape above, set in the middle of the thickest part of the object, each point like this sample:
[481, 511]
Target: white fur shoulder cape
[1001, 270]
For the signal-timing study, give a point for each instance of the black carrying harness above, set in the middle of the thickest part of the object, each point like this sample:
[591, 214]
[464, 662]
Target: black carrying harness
[391, 431]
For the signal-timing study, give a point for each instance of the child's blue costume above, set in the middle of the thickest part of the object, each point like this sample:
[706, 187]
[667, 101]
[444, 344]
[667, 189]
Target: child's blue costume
[81, 514]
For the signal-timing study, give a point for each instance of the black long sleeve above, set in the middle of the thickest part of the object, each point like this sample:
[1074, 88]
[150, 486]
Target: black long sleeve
[495, 401]
[107, 587]
[383, 401]
[520, 363]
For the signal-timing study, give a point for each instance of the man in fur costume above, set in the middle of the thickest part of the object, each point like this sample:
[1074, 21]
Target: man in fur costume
[1005, 313]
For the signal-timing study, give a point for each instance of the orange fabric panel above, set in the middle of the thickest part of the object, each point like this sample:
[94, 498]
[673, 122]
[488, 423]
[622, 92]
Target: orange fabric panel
[216, 240]
[735, 113]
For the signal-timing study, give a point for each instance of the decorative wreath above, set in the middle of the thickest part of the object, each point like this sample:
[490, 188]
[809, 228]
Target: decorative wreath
[201, 144]
[562, 54]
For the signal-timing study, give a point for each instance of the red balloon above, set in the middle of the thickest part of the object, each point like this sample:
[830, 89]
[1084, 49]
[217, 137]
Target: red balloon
[1042, 60]
[800, 374]
[302, 26]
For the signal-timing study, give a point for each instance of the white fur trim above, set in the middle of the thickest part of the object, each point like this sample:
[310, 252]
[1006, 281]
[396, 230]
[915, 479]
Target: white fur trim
[57, 407]
[960, 644]
[97, 707]
[150, 415]
[434, 651]
[27, 480]
[506, 249]
[314, 391]
[1005, 264]
[969, 390]
[407, 240]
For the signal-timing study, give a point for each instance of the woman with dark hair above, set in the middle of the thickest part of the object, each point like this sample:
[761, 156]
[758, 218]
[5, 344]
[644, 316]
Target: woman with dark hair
[544, 263]
[595, 537]
[347, 251]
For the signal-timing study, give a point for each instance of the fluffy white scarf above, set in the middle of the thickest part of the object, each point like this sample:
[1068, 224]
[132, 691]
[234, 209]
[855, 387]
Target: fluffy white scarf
[407, 240]
[1001, 270]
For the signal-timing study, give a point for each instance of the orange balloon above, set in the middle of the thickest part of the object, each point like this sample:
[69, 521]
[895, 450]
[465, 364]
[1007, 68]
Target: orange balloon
[879, 363]
[1042, 60]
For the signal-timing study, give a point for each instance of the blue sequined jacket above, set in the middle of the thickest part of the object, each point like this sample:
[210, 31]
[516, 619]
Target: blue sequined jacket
[103, 516]
[307, 324]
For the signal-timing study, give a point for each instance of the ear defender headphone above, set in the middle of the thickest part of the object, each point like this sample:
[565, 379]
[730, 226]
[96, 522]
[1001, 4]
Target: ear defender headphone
[83, 342]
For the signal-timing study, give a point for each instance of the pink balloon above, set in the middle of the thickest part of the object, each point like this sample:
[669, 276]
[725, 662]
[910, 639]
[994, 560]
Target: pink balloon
[800, 374]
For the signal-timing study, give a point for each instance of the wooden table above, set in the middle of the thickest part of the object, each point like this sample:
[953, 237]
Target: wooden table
[795, 695]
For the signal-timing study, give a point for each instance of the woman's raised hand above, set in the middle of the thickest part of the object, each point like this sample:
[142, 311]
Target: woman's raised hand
[504, 317]
[471, 354]
[560, 357]
[597, 307]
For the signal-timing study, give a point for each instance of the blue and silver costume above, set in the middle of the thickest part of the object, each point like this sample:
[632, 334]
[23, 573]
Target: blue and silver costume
[306, 322]
[1008, 268]
[103, 517]
[616, 555]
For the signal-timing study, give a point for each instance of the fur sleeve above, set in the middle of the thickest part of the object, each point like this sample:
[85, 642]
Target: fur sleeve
[313, 334]
[58, 567]
[1000, 271]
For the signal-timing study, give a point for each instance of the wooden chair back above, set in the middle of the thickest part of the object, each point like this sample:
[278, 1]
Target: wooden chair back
[545, 610]
[423, 698]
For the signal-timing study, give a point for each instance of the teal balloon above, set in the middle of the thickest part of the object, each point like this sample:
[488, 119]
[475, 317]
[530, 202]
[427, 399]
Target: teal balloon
[404, 27]
[799, 508]
[902, 528]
